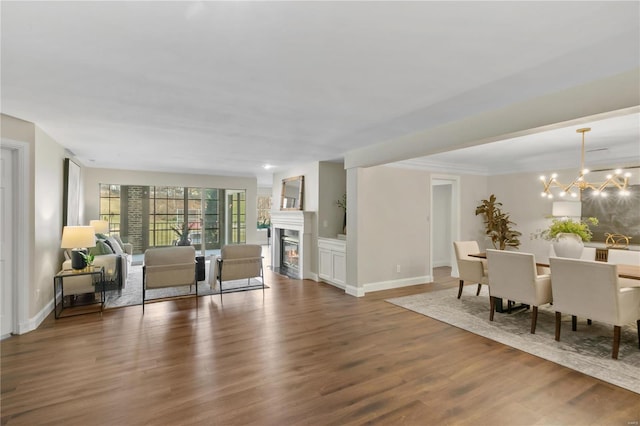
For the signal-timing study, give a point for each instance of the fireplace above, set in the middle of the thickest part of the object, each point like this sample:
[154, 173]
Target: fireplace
[292, 248]
[290, 253]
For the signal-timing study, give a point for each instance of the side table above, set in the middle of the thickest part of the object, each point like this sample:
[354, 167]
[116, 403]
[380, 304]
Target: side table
[79, 289]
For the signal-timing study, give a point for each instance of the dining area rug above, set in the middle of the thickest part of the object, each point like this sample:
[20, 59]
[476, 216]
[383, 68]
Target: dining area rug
[587, 350]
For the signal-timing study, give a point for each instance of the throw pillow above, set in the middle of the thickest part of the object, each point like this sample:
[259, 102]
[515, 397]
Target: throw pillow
[119, 241]
[101, 248]
[114, 245]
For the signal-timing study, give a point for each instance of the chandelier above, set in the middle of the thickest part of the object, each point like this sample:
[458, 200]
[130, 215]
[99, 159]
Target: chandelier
[617, 180]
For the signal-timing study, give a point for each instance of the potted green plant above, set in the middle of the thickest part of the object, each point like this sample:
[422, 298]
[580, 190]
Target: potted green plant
[569, 235]
[498, 226]
[183, 234]
[570, 226]
[88, 258]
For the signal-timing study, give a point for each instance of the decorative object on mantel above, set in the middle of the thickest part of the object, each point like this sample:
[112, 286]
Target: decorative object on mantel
[617, 241]
[292, 195]
[343, 205]
[498, 225]
[617, 179]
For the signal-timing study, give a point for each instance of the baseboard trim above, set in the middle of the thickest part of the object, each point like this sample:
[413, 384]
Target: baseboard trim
[33, 323]
[386, 285]
[354, 291]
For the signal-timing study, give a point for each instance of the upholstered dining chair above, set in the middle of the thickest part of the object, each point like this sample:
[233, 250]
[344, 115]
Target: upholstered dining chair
[513, 276]
[470, 268]
[592, 290]
[168, 267]
[236, 262]
[627, 257]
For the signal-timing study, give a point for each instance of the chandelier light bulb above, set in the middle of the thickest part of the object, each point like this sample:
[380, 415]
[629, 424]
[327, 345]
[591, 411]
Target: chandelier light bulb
[555, 175]
[574, 195]
[549, 196]
[604, 194]
[627, 174]
[542, 178]
[618, 171]
[585, 171]
[543, 194]
[609, 176]
[562, 194]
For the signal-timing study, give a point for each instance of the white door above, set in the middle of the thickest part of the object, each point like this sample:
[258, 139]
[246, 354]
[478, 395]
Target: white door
[6, 242]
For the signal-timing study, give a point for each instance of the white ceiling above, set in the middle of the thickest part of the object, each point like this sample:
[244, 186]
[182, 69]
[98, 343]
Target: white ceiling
[226, 87]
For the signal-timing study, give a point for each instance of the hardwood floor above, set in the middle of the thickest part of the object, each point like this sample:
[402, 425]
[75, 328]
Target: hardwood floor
[304, 353]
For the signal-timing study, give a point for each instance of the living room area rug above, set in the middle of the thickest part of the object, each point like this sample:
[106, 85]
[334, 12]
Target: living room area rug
[587, 350]
[132, 292]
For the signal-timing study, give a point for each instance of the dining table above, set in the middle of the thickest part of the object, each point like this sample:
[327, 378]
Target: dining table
[632, 272]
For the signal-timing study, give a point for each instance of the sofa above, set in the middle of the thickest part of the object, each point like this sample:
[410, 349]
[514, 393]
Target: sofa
[110, 253]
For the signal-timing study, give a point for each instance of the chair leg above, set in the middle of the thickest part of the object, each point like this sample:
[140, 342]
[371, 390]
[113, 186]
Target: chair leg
[460, 288]
[509, 305]
[492, 306]
[589, 321]
[534, 319]
[558, 322]
[616, 341]
[638, 325]
[479, 287]
[574, 323]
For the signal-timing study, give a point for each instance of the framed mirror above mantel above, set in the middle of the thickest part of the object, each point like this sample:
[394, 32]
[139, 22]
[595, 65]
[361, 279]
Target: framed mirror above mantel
[292, 196]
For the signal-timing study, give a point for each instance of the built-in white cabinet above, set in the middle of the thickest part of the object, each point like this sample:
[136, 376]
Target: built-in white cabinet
[332, 261]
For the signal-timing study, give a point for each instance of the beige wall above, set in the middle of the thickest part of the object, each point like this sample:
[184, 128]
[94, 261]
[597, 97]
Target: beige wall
[44, 223]
[93, 177]
[49, 171]
[392, 225]
[332, 186]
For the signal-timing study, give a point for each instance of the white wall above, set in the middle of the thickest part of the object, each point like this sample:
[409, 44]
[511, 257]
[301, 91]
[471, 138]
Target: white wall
[311, 173]
[93, 177]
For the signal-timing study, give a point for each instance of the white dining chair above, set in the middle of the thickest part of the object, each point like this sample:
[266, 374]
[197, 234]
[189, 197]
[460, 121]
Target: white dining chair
[627, 257]
[513, 276]
[470, 268]
[592, 290]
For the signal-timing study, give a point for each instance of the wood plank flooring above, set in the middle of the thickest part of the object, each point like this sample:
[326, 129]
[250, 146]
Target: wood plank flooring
[304, 353]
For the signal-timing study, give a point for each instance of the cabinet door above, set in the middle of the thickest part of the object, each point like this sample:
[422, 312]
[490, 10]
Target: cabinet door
[325, 264]
[339, 261]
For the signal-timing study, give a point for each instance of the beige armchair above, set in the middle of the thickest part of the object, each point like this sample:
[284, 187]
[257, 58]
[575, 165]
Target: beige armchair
[470, 268]
[592, 290]
[168, 267]
[236, 262]
[513, 276]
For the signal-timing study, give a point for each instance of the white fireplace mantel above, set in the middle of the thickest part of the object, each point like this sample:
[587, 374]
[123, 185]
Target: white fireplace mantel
[295, 220]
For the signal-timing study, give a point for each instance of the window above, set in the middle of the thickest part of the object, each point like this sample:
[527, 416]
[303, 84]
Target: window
[152, 216]
[110, 206]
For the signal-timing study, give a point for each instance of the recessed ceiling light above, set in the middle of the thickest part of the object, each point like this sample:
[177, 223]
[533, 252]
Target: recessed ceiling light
[268, 166]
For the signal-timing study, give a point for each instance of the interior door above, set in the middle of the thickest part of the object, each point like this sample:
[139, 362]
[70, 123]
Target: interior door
[6, 243]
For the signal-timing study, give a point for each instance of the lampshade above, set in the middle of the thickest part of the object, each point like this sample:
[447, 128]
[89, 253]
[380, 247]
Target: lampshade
[566, 209]
[78, 236]
[100, 226]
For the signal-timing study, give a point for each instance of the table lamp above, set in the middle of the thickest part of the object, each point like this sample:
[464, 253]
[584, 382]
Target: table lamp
[566, 209]
[100, 226]
[78, 238]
